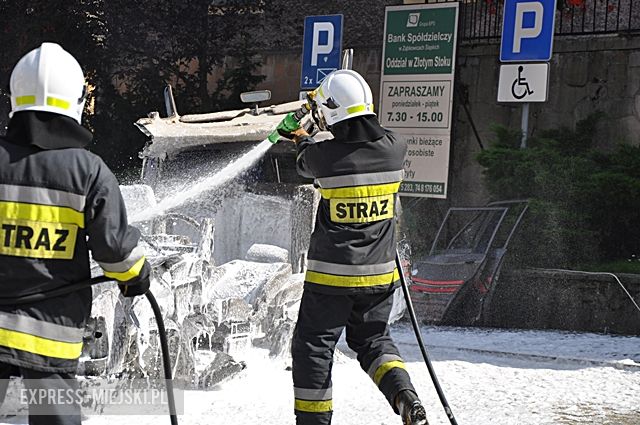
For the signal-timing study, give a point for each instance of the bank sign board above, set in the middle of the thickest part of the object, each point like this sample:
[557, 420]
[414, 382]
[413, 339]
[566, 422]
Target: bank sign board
[416, 91]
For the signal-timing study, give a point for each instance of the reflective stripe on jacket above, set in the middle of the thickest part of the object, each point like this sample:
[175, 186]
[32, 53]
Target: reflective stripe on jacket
[358, 174]
[56, 205]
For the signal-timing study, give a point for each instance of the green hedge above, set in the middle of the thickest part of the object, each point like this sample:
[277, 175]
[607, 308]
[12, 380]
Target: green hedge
[584, 198]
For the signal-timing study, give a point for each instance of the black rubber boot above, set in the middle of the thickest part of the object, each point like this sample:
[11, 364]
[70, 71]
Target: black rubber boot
[410, 408]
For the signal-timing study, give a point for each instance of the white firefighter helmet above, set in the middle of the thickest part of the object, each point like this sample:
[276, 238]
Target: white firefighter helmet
[48, 79]
[343, 94]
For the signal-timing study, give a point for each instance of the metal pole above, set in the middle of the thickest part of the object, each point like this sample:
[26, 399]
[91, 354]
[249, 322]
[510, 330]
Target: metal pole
[170, 102]
[347, 59]
[275, 160]
[525, 125]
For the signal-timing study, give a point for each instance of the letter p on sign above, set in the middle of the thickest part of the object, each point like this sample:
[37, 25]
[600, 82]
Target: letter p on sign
[321, 49]
[527, 30]
[520, 31]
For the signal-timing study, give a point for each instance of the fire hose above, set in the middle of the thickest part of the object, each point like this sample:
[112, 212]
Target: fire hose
[162, 333]
[416, 330]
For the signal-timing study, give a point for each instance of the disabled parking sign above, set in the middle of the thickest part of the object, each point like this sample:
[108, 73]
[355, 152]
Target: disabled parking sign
[322, 49]
[525, 82]
[527, 30]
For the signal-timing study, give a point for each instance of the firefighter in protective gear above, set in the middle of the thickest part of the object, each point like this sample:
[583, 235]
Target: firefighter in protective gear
[351, 274]
[57, 202]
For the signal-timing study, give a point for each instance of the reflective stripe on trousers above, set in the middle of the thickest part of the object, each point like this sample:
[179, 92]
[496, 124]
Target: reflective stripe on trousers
[313, 401]
[382, 365]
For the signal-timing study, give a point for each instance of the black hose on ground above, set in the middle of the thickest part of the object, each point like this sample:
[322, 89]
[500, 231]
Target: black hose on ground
[162, 333]
[416, 330]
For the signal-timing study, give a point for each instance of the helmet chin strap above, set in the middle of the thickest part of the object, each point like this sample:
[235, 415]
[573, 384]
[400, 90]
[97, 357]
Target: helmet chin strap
[318, 118]
[85, 94]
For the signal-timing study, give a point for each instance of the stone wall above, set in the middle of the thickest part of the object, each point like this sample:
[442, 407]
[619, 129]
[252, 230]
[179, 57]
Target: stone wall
[544, 299]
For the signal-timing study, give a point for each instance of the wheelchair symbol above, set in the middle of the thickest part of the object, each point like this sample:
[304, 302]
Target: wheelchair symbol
[520, 87]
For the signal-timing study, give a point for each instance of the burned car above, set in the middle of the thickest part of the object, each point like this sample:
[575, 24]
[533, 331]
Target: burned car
[226, 258]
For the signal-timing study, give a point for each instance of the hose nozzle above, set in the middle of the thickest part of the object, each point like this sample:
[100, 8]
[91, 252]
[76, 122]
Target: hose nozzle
[291, 122]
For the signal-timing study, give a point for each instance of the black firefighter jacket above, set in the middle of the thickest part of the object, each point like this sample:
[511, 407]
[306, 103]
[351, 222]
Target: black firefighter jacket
[57, 202]
[358, 173]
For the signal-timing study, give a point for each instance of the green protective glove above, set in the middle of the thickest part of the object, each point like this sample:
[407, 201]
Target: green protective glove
[284, 129]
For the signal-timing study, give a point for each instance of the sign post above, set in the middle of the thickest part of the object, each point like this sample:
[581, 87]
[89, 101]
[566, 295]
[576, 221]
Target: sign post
[527, 36]
[416, 91]
[322, 49]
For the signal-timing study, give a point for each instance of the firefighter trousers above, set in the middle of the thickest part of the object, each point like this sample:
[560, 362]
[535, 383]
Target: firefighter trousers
[321, 320]
[50, 395]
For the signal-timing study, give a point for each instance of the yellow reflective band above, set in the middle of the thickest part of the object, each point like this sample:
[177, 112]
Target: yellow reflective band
[355, 109]
[31, 239]
[314, 406]
[361, 191]
[25, 100]
[351, 281]
[320, 91]
[41, 346]
[386, 367]
[58, 103]
[134, 271]
[362, 210]
[41, 213]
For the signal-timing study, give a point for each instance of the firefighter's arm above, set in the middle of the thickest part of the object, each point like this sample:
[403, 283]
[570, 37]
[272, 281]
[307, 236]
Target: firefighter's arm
[308, 154]
[113, 243]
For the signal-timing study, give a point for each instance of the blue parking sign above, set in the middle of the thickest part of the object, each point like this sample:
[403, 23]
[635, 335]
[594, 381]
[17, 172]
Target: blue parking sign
[527, 30]
[322, 49]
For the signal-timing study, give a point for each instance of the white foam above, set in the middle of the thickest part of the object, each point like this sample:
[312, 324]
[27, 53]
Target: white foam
[482, 389]
[207, 183]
